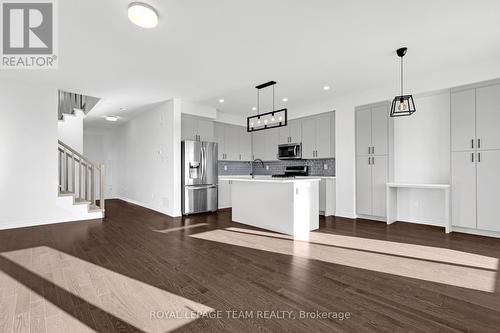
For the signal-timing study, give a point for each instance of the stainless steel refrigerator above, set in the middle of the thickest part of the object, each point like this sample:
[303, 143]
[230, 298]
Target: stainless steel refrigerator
[199, 177]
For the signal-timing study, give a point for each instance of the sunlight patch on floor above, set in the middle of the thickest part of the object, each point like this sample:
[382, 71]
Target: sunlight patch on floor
[184, 227]
[456, 268]
[125, 298]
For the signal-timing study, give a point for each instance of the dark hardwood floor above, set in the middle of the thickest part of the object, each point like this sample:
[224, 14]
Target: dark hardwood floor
[126, 272]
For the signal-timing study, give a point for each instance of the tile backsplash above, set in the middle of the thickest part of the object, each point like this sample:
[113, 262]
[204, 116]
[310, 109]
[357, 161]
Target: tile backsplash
[317, 167]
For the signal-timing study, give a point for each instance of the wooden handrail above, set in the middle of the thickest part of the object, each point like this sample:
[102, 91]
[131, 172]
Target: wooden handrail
[77, 154]
[73, 166]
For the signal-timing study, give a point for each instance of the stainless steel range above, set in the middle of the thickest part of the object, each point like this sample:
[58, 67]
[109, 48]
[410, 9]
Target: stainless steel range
[294, 171]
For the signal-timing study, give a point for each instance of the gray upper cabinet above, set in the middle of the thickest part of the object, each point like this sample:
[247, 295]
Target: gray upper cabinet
[196, 128]
[265, 144]
[363, 132]
[318, 136]
[379, 130]
[463, 120]
[372, 130]
[292, 133]
[234, 142]
[488, 117]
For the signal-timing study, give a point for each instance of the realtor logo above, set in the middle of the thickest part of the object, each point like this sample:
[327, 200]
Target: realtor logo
[29, 39]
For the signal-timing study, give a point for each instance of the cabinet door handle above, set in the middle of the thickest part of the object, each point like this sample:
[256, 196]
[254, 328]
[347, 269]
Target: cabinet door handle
[478, 143]
[472, 157]
[373, 150]
[369, 160]
[369, 150]
[373, 160]
[472, 143]
[479, 157]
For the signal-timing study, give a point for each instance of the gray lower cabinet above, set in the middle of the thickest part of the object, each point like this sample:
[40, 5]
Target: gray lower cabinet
[463, 184]
[488, 190]
[224, 193]
[196, 128]
[371, 180]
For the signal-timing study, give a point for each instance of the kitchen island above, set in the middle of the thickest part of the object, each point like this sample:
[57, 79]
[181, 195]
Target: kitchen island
[289, 206]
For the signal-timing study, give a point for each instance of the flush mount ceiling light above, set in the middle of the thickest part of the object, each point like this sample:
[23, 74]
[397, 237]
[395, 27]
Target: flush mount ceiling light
[273, 119]
[111, 118]
[402, 105]
[285, 99]
[326, 88]
[142, 15]
[221, 100]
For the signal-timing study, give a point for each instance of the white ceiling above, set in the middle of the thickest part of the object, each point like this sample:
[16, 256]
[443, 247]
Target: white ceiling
[204, 50]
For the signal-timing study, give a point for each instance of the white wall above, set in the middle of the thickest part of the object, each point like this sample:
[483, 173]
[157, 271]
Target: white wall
[70, 130]
[28, 150]
[143, 159]
[422, 155]
[198, 110]
[93, 145]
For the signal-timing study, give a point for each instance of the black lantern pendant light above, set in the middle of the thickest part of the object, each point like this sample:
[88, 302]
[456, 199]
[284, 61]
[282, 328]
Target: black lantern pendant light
[262, 121]
[402, 105]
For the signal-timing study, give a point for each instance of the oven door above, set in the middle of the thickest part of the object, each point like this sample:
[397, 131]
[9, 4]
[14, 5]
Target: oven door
[289, 152]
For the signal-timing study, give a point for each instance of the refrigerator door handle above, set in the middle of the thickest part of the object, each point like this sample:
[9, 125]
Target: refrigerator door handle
[200, 187]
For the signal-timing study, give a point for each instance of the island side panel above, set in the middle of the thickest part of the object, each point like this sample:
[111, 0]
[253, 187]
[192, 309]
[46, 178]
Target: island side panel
[306, 208]
[265, 205]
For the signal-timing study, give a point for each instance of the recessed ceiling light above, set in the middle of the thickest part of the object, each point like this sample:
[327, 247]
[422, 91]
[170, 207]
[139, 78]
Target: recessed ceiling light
[221, 100]
[254, 108]
[326, 88]
[111, 118]
[285, 99]
[123, 109]
[143, 15]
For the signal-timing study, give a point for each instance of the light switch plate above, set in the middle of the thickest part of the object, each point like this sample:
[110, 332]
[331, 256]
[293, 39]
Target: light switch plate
[267, 167]
[325, 166]
[225, 167]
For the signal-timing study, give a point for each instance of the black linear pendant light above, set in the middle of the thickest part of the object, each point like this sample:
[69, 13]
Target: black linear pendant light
[268, 120]
[402, 105]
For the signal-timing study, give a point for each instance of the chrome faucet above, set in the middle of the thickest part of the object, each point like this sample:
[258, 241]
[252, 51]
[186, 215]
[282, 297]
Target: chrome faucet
[256, 160]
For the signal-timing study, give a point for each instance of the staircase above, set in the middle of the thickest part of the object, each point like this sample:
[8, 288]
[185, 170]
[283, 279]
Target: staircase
[81, 185]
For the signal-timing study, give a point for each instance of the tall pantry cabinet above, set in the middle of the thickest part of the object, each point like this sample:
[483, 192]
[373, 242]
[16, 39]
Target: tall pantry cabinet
[372, 159]
[475, 157]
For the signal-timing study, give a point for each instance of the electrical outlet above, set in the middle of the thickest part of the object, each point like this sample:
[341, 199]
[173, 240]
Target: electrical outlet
[325, 166]
[267, 167]
[225, 167]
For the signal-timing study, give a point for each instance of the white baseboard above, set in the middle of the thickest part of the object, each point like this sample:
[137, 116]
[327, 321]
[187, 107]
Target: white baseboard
[476, 232]
[40, 222]
[369, 217]
[142, 204]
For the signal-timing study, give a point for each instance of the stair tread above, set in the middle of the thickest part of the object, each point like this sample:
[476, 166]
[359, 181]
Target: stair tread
[94, 208]
[81, 201]
[66, 194]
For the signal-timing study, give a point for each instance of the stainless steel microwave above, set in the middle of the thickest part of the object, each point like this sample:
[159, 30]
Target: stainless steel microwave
[290, 151]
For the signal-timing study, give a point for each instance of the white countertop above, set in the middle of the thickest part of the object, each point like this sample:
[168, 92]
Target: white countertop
[272, 180]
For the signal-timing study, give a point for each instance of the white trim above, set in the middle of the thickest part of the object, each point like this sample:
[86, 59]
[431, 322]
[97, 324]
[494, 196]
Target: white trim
[138, 203]
[477, 232]
[370, 217]
[38, 222]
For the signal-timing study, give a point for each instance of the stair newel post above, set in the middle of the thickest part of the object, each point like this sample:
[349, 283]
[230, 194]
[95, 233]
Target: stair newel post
[86, 180]
[92, 184]
[73, 174]
[102, 173]
[80, 177]
[65, 170]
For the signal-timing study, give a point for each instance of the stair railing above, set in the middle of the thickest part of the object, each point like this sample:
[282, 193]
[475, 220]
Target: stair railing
[81, 177]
